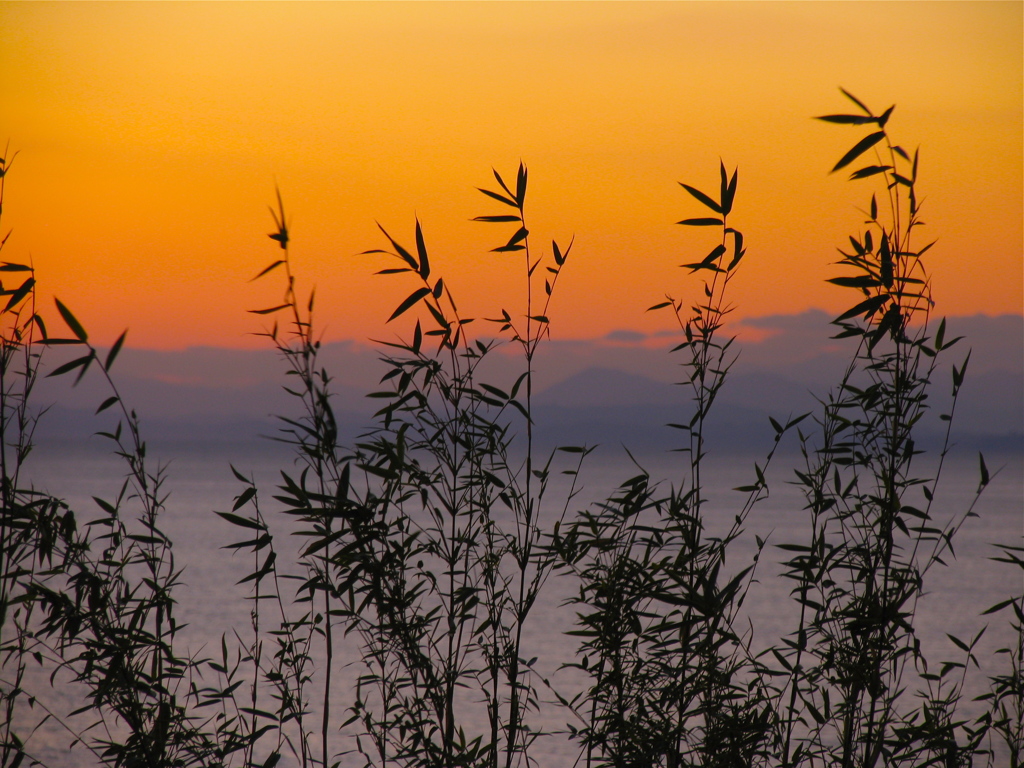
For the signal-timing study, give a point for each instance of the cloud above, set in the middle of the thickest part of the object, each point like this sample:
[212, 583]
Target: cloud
[778, 372]
[626, 336]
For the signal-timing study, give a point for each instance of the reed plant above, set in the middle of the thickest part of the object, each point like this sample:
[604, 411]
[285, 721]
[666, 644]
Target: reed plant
[424, 545]
[842, 675]
[671, 675]
[424, 539]
[86, 595]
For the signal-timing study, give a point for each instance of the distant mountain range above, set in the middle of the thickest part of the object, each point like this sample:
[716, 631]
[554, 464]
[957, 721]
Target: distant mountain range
[619, 389]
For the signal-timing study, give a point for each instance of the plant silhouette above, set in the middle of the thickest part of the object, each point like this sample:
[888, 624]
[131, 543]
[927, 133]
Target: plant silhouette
[427, 541]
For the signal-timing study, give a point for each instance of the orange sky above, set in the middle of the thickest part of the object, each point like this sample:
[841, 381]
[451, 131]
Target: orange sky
[151, 137]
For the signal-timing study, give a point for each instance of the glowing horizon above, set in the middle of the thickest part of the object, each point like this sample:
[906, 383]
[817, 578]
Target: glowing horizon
[151, 138]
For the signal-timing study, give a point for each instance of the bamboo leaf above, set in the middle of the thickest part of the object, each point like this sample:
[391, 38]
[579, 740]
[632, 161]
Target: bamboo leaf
[242, 521]
[272, 267]
[869, 170]
[737, 251]
[281, 236]
[866, 307]
[414, 297]
[79, 362]
[856, 101]
[860, 281]
[269, 310]
[498, 197]
[859, 148]
[846, 119]
[705, 222]
[73, 324]
[958, 643]
[106, 404]
[513, 243]
[498, 219]
[114, 350]
[21, 292]
[886, 265]
[421, 250]
[501, 183]
[707, 201]
[726, 205]
[400, 251]
[243, 498]
[711, 257]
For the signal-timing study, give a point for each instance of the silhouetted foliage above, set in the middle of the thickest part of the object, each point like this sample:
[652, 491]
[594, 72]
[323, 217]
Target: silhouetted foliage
[427, 541]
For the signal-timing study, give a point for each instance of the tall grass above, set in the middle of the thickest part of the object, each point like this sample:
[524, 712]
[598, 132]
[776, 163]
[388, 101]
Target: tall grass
[427, 542]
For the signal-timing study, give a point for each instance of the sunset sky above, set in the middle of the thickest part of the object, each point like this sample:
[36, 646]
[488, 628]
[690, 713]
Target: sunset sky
[151, 138]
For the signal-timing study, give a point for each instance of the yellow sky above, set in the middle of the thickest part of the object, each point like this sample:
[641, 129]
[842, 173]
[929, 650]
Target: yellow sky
[151, 137]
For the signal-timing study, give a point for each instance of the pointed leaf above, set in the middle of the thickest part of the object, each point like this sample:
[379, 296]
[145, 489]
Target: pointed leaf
[869, 170]
[73, 324]
[705, 222]
[718, 251]
[414, 297]
[417, 338]
[730, 191]
[240, 521]
[272, 267]
[499, 198]
[513, 243]
[737, 251]
[269, 310]
[498, 219]
[723, 189]
[243, 498]
[502, 183]
[112, 354]
[859, 148]
[106, 404]
[21, 292]
[421, 250]
[702, 197]
[855, 100]
[399, 250]
[846, 119]
[886, 265]
[859, 281]
[79, 362]
[866, 307]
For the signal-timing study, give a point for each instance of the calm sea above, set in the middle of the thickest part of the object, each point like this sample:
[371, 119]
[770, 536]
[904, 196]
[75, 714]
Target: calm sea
[199, 481]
